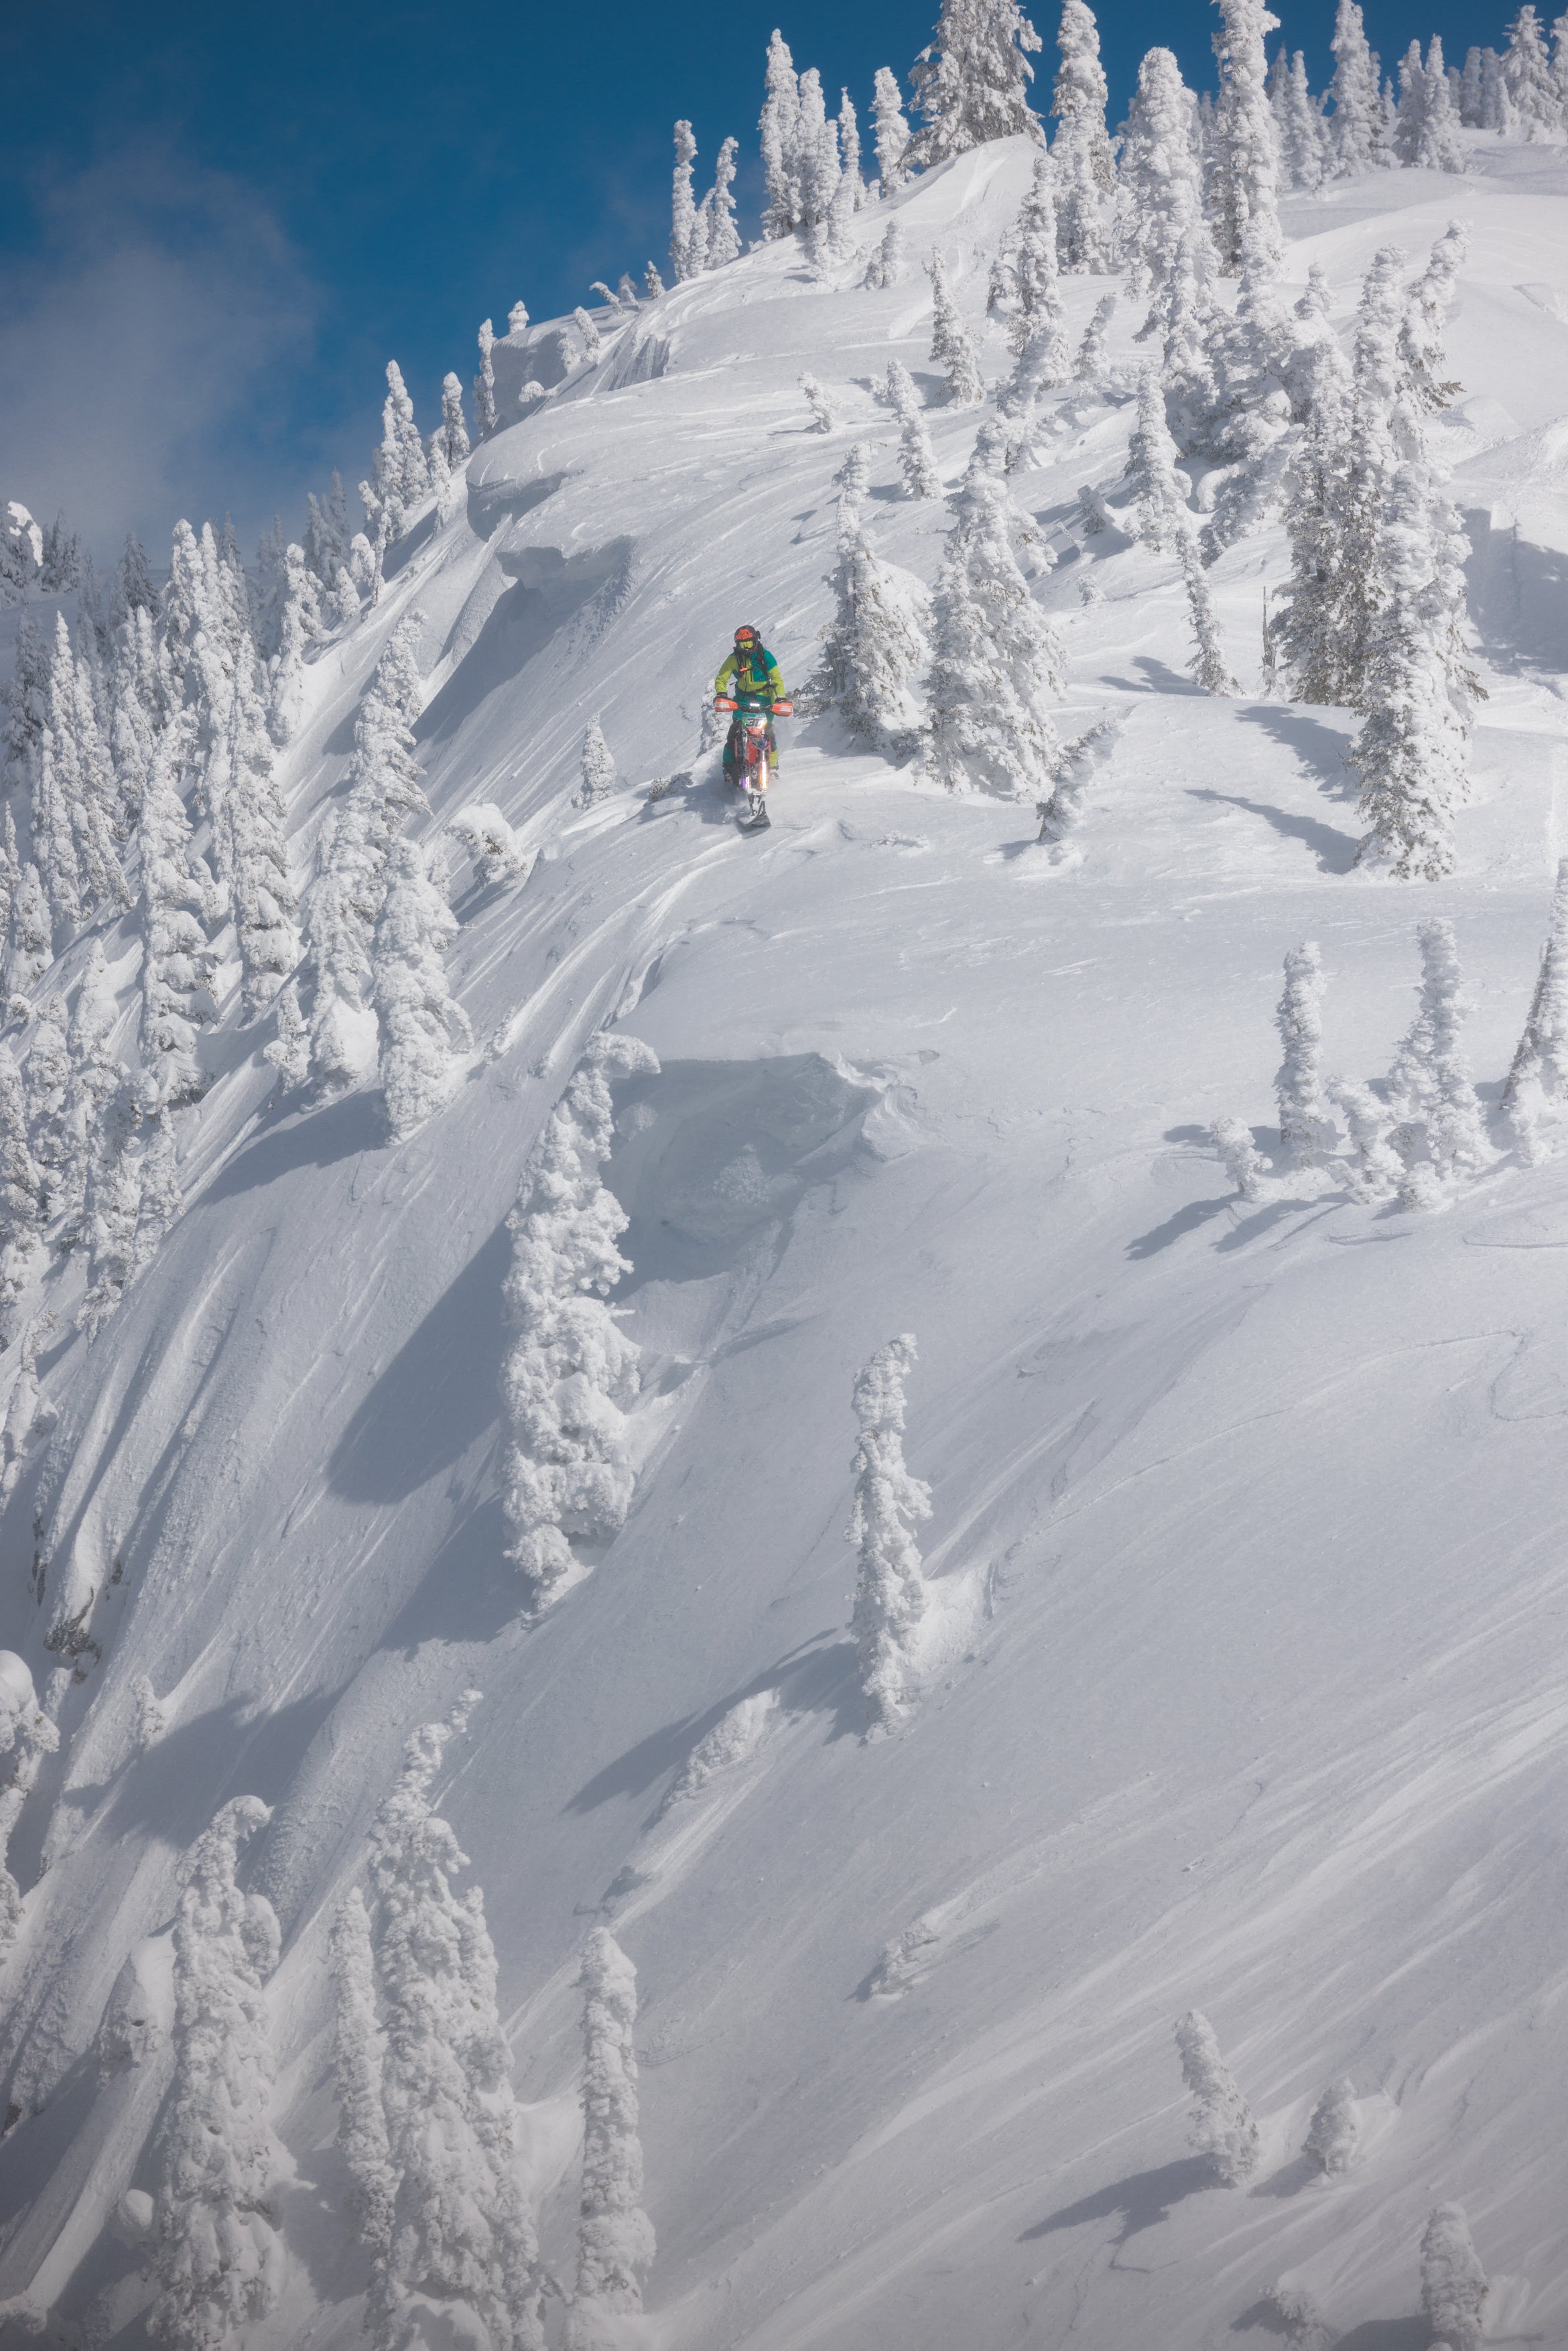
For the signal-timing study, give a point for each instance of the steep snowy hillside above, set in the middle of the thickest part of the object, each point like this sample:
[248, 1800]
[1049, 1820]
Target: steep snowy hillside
[1249, 1517]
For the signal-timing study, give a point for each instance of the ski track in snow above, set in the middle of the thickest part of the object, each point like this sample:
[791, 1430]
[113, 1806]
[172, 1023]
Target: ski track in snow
[1242, 1687]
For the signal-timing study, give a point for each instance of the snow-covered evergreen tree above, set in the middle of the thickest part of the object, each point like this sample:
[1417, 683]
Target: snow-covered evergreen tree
[952, 348]
[425, 1032]
[216, 2252]
[892, 131]
[570, 1371]
[1355, 126]
[1437, 1125]
[1221, 2126]
[1239, 1157]
[1082, 163]
[779, 133]
[615, 2241]
[80, 793]
[1246, 179]
[1306, 1129]
[917, 458]
[1161, 183]
[595, 768]
[1413, 102]
[22, 1197]
[971, 84]
[1471, 90]
[890, 1588]
[485, 381]
[400, 471]
[822, 417]
[875, 648]
[884, 264]
[1412, 751]
[28, 946]
[1533, 87]
[1538, 1077]
[345, 897]
[453, 428]
[1035, 284]
[423, 2079]
[1334, 2131]
[1453, 2282]
[721, 237]
[327, 534]
[300, 622]
[850, 149]
[138, 701]
[1377, 1170]
[1164, 523]
[996, 662]
[26, 1736]
[177, 902]
[817, 156]
[1091, 357]
[686, 259]
[1303, 134]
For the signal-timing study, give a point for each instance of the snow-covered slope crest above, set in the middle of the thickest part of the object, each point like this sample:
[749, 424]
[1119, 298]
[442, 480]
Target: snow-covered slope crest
[1256, 1508]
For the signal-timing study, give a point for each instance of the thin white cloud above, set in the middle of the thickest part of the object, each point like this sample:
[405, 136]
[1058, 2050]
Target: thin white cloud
[148, 350]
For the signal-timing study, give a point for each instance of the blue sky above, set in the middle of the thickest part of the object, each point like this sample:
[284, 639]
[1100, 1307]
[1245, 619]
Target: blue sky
[216, 225]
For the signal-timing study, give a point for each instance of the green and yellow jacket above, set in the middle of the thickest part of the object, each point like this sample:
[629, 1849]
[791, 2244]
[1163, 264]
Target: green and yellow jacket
[755, 673]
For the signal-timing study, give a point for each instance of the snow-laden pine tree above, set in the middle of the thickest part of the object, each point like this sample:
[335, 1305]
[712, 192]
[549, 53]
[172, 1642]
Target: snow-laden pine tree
[112, 1229]
[570, 1371]
[817, 155]
[1334, 2131]
[485, 381]
[1377, 1172]
[1303, 134]
[1246, 177]
[885, 263]
[177, 902]
[779, 134]
[83, 798]
[686, 259]
[1439, 147]
[1412, 751]
[721, 239]
[138, 704]
[1538, 1079]
[890, 1593]
[218, 2256]
[1221, 2126]
[1306, 1130]
[952, 348]
[996, 662]
[1411, 110]
[453, 429]
[400, 471]
[29, 941]
[1497, 112]
[615, 2242]
[822, 417]
[1034, 278]
[1160, 181]
[597, 768]
[1355, 126]
[971, 84]
[892, 131]
[428, 2120]
[1164, 523]
[875, 647]
[1091, 357]
[917, 458]
[425, 1032]
[1239, 1156]
[327, 534]
[23, 1196]
[300, 622]
[351, 860]
[1471, 90]
[1532, 88]
[1453, 2282]
[26, 1736]
[94, 1072]
[850, 149]
[1082, 161]
[1439, 1128]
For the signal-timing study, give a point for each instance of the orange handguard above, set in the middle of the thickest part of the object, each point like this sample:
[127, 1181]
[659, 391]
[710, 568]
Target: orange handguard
[723, 702]
[783, 710]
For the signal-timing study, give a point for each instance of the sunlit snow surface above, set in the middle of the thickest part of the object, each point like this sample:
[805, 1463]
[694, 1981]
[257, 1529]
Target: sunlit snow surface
[1249, 1519]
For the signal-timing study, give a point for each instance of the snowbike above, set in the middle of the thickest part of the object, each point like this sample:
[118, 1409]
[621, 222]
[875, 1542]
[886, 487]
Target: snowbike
[750, 775]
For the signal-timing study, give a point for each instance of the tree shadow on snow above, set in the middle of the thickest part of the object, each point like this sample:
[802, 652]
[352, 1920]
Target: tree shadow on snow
[436, 1396]
[1275, 1213]
[469, 1592]
[1290, 2180]
[1143, 2201]
[1158, 677]
[1388, 2334]
[173, 1790]
[1518, 597]
[818, 1678]
[1320, 749]
[341, 1130]
[1335, 851]
[1186, 1220]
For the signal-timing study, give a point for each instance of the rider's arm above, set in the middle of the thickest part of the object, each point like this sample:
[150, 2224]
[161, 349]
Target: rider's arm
[727, 670]
[775, 683]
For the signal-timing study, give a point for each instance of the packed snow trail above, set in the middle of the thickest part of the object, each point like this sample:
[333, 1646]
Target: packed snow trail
[1249, 1519]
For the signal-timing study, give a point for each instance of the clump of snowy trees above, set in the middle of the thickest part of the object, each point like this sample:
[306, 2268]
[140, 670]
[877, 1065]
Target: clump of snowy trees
[570, 1371]
[889, 1504]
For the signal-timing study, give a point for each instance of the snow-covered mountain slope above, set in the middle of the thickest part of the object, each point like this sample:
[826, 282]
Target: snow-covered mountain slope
[1246, 1688]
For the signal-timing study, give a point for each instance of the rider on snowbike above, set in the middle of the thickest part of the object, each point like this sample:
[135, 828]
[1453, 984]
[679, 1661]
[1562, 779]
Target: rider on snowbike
[751, 675]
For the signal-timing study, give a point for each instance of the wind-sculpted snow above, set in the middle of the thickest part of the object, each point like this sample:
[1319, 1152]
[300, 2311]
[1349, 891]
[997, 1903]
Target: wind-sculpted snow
[1243, 1691]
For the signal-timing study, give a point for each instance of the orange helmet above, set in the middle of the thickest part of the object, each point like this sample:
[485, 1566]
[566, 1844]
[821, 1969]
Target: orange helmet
[744, 635]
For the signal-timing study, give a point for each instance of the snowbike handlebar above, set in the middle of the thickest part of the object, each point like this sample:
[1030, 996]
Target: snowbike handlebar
[777, 709]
